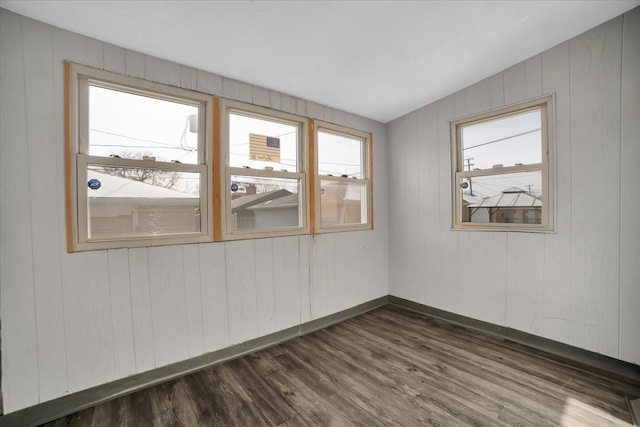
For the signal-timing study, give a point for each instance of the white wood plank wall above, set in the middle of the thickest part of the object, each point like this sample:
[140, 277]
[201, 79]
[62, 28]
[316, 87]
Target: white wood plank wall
[578, 286]
[73, 321]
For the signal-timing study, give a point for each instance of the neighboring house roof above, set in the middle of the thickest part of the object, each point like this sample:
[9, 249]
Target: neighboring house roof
[122, 188]
[511, 198]
[288, 201]
[244, 202]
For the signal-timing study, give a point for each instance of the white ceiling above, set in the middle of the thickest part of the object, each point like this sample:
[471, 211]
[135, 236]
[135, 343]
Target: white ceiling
[378, 59]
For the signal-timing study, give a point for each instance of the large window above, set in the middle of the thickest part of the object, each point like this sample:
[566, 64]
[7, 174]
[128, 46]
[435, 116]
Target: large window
[265, 185]
[139, 167]
[342, 178]
[502, 168]
[150, 164]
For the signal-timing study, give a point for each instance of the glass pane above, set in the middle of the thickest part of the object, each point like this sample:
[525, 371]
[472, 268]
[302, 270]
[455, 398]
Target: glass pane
[133, 202]
[259, 203]
[262, 144]
[508, 198]
[339, 155]
[343, 203]
[507, 141]
[135, 127]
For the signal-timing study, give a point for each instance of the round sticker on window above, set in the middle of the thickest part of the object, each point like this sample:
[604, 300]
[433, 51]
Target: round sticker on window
[234, 187]
[94, 184]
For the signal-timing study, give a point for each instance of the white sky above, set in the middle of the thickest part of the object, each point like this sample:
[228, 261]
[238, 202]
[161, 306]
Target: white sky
[493, 143]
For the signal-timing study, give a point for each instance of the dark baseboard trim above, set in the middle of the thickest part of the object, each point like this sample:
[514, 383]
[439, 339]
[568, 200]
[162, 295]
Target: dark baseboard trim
[619, 368]
[63, 406]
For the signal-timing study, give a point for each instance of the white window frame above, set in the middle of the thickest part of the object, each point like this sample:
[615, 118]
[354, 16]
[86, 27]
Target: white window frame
[546, 106]
[366, 162]
[226, 108]
[79, 79]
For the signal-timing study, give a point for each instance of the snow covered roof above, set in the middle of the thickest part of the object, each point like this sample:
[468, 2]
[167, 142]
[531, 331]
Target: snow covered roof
[511, 198]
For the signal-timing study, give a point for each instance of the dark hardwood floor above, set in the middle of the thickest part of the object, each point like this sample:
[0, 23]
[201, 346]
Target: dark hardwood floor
[390, 366]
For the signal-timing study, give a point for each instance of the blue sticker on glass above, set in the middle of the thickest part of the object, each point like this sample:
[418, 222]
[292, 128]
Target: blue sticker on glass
[273, 142]
[234, 187]
[94, 184]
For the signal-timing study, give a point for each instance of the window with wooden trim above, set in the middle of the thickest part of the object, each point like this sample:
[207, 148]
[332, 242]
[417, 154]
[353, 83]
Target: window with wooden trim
[502, 163]
[265, 184]
[343, 190]
[138, 163]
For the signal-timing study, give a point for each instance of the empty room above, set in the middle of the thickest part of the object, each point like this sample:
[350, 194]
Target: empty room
[242, 213]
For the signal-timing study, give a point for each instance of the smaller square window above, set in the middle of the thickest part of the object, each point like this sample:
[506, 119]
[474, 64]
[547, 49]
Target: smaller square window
[503, 170]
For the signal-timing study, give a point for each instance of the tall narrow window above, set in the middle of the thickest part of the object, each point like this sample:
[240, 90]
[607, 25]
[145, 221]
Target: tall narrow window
[265, 181]
[343, 178]
[502, 166]
[139, 162]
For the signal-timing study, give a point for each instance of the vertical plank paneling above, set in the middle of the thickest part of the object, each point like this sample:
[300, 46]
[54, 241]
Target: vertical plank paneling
[315, 111]
[121, 316]
[290, 305]
[524, 276]
[557, 272]
[275, 100]
[241, 291]
[288, 104]
[188, 78]
[595, 155]
[134, 64]
[464, 276]
[41, 104]
[397, 274]
[89, 331]
[515, 84]
[141, 309]
[279, 267]
[19, 337]
[266, 263]
[533, 73]
[213, 282]
[448, 240]
[260, 96]
[193, 299]
[412, 251]
[113, 59]
[497, 90]
[161, 71]
[208, 83]
[323, 289]
[168, 307]
[76, 48]
[630, 204]
[478, 97]
[427, 196]
[301, 107]
[305, 281]
[234, 89]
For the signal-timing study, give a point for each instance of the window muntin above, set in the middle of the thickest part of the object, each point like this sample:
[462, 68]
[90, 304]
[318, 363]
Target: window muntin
[263, 151]
[138, 164]
[502, 168]
[343, 184]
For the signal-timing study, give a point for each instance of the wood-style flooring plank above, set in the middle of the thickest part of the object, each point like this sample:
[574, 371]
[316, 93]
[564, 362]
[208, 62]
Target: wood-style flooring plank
[387, 367]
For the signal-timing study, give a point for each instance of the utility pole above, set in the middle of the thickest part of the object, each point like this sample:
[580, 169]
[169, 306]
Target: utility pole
[529, 188]
[469, 165]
